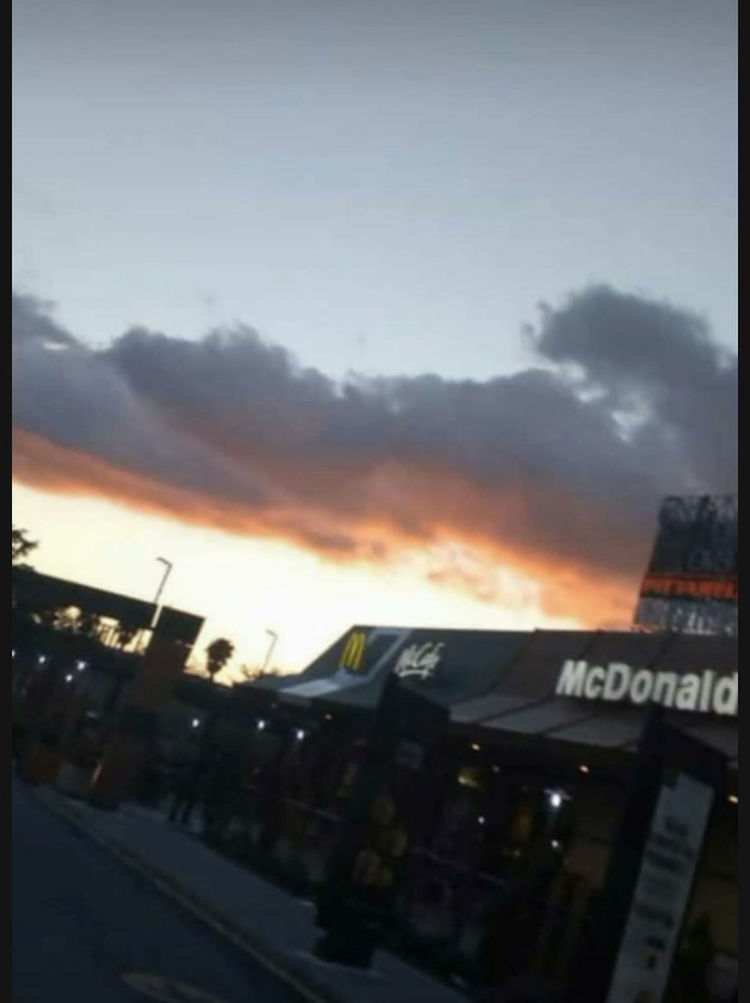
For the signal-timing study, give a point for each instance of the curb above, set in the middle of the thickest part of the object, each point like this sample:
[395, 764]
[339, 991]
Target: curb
[277, 964]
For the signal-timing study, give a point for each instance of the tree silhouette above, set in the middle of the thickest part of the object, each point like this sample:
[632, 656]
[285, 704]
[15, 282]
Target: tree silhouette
[89, 625]
[45, 617]
[218, 654]
[125, 633]
[251, 675]
[21, 546]
[67, 619]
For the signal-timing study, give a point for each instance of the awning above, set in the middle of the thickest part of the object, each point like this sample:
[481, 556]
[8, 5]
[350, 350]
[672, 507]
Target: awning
[543, 718]
[609, 730]
[482, 708]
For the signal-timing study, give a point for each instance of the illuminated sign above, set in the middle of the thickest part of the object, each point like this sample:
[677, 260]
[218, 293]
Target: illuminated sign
[691, 581]
[682, 587]
[419, 660]
[707, 692]
[353, 655]
[365, 653]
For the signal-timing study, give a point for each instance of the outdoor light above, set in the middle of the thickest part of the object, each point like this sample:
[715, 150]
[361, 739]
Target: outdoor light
[68, 678]
[475, 746]
[196, 722]
[481, 820]
[42, 659]
[555, 799]
[733, 799]
[583, 768]
[12, 652]
[555, 844]
[80, 665]
[495, 769]
[300, 734]
[261, 725]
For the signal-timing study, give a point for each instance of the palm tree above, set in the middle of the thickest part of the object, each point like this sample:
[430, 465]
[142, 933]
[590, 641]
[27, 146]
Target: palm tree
[218, 654]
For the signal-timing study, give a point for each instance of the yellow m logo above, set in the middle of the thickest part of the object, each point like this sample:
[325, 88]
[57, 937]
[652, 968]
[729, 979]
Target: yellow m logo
[354, 651]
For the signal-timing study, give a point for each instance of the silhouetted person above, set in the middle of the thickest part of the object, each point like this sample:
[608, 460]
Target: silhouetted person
[190, 787]
[222, 783]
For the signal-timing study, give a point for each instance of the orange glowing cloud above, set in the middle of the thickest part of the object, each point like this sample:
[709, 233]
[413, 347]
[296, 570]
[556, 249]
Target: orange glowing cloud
[553, 478]
[470, 564]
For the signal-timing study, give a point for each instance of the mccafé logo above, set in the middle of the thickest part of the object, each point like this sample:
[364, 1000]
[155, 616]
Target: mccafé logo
[416, 660]
[419, 660]
[353, 655]
[705, 692]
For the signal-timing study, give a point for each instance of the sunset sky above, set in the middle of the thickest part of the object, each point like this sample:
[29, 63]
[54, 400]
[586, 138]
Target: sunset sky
[382, 312]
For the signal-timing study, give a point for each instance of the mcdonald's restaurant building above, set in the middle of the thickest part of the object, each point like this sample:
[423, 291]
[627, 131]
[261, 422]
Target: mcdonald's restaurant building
[496, 824]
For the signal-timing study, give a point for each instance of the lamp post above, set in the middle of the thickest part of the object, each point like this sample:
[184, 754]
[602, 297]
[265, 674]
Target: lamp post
[167, 569]
[274, 638]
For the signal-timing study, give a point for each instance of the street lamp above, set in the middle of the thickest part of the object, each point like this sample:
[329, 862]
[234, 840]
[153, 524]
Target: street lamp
[167, 568]
[274, 638]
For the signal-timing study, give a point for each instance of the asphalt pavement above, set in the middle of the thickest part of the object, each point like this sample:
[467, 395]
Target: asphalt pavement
[86, 930]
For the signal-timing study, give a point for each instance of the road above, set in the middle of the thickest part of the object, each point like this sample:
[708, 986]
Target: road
[85, 929]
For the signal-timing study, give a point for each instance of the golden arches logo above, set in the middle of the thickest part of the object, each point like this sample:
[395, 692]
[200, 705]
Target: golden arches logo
[353, 654]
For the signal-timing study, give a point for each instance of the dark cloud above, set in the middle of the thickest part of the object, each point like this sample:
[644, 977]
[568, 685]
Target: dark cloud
[557, 467]
[32, 323]
[659, 363]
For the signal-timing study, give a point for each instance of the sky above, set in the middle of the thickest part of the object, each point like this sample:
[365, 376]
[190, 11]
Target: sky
[371, 312]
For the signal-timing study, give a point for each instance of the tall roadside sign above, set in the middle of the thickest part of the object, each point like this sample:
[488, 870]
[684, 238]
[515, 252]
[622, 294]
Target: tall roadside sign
[637, 922]
[691, 582]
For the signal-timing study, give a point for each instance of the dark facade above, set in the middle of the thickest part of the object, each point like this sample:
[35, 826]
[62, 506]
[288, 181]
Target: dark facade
[90, 668]
[491, 830]
[518, 799]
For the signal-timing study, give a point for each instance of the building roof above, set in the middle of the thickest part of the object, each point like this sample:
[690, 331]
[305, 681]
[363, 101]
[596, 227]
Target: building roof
[525, 701]
[505, 682]
[447, 665]
[34, 591]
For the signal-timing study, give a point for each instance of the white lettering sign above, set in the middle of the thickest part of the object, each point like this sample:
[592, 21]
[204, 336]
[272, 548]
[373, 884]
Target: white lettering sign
[707, 693]
[419, 660]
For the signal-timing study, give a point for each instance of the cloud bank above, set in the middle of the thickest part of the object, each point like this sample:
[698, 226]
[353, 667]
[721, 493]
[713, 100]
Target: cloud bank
[556, 471]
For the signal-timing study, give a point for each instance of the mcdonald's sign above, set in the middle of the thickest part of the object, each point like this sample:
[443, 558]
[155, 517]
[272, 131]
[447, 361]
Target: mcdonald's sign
[353, 656]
